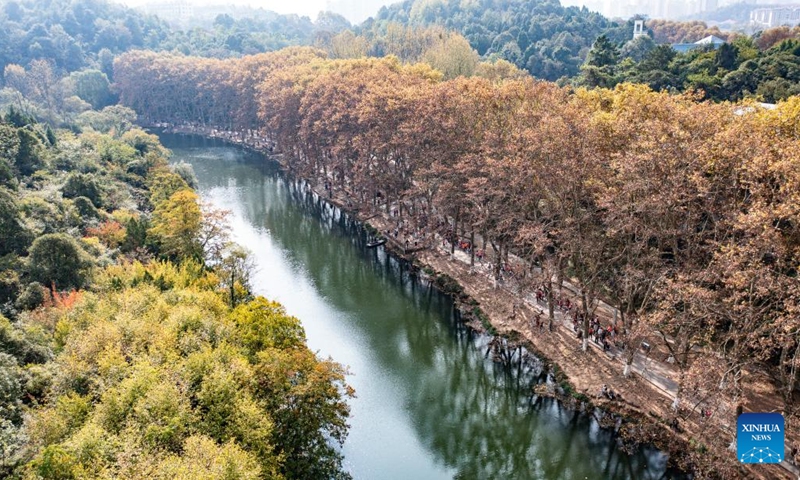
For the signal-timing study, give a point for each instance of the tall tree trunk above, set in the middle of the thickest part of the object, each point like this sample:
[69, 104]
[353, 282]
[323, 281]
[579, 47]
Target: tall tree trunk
[630, 352]
[585, 308]
[233, 289]
[498, 255]
[454, 238]
[676, 400]
[559, 276]
[472, 248]
[551, 313]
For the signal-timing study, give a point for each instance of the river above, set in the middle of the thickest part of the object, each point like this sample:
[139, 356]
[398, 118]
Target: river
[429, 405]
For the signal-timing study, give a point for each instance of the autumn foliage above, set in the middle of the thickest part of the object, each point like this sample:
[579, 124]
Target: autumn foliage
[111, 233]
[156, 377]
[681, 214]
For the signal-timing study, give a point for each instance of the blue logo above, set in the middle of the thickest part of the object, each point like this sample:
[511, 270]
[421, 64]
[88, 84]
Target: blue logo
[759, 438]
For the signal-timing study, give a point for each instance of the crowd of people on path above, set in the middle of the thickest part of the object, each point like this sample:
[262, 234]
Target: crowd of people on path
[603, 336]
[406, 235]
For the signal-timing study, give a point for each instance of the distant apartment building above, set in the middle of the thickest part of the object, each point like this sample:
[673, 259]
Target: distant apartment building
[176, 12]
[708, 5]
[776, 16]
[662, 9]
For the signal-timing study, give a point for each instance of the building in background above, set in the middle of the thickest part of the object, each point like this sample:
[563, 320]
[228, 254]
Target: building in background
[708, 5]
[662, 9]
[177, 12]
[713, 41]
[775, 16]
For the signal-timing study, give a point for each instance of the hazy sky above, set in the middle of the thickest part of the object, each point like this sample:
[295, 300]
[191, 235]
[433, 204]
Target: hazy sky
[358, 10]
[302, 7]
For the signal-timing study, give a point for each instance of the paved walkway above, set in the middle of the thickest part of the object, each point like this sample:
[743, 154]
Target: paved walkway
[657, 373]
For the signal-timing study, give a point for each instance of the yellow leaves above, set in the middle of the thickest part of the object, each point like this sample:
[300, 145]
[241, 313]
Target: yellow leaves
[499, 71]
[347, 45]
[176, 224]
[161, 363]
[163, 184]
[423, 70]
[264, 324]
[204, 458]
[454, 57]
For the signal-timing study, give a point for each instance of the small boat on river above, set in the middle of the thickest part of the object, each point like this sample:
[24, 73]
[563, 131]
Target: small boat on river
[376, 243]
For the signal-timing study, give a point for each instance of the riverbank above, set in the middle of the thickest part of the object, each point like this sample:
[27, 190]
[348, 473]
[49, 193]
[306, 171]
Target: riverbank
[583, 373]
[642, 410]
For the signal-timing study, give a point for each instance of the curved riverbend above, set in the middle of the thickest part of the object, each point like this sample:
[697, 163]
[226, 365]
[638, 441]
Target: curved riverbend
[429, 405]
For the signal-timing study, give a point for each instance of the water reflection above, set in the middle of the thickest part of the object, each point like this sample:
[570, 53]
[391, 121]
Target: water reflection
[429, 403]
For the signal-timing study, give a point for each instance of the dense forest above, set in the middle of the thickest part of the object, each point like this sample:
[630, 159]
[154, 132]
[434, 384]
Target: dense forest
[765, 67]
[88, 33]
[73, 35]
[481, 38]
[187, 374]
[648, 200]
[540, 36]
[576, 47]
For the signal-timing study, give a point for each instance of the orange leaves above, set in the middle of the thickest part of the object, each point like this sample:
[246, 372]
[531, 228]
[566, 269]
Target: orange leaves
[62, 300]
[111, 233]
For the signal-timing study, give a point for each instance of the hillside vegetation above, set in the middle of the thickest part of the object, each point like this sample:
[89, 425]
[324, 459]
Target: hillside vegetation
[540, 36]
[130, 343]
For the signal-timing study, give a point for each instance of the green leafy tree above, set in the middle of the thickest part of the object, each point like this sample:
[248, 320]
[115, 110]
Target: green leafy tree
[12, 439]
[11, 381]
[9, 146]
[169, 389]
[29, 153]
[638, 48]
[93, 87]
[33, 296]
[57, 260]
[115, 118]
[727, 56]
[165, 183]
[14, 237]
[83, 185]
[600, 69]
[603, 53]
[55, 463]
[235, 268]
[264, 324]
[135, 234]
[307, 398]
[18, 118]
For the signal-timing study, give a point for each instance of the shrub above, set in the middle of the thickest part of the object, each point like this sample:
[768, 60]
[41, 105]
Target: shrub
[31, 297]
[83, 185]
[57, 259]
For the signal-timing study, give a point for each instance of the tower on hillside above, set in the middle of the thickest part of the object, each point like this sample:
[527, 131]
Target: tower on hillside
[638, 28]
